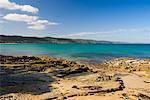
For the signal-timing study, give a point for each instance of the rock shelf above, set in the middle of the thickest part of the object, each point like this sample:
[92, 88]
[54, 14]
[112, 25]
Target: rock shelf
[47, 78]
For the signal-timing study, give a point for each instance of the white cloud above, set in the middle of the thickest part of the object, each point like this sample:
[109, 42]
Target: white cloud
[40, 24]
[108, 32]
[33, 21]
[20, 17]
[37, 27]
[6, 4]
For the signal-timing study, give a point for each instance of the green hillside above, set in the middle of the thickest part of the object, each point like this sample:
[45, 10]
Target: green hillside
[22, 39]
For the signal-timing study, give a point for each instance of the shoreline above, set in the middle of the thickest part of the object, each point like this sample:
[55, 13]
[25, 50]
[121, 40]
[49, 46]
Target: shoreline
[82, 61]
[87, 43]
[42, 78]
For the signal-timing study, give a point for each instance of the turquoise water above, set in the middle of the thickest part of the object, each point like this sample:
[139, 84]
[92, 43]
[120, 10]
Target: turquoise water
[87, 52]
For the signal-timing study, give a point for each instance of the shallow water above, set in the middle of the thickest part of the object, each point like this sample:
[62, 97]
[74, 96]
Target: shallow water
[82, 52]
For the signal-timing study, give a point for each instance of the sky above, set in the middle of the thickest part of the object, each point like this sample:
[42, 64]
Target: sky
[111, 20]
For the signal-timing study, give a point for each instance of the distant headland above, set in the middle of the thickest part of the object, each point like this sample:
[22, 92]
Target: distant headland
[26, 39]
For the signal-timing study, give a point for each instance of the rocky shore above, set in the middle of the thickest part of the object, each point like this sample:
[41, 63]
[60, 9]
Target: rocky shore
[47, 78]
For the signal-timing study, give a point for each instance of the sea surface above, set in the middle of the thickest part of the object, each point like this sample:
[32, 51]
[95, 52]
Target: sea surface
[93, 53]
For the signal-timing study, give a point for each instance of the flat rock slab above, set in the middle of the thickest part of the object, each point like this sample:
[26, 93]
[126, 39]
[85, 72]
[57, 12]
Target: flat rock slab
[134, 81]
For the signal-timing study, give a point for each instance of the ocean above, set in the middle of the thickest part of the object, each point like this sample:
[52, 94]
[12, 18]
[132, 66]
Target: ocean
[93, 53]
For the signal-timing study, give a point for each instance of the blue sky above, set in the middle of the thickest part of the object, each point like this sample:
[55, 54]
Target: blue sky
[113, 20]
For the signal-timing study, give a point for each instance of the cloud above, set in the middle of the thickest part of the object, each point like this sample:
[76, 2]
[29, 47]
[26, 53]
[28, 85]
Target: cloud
[40, 24]
[108, 32]
[33, 21]
[20, 17]
[6, 4]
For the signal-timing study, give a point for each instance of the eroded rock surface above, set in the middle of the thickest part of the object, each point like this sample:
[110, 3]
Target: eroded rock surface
[46, 78]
